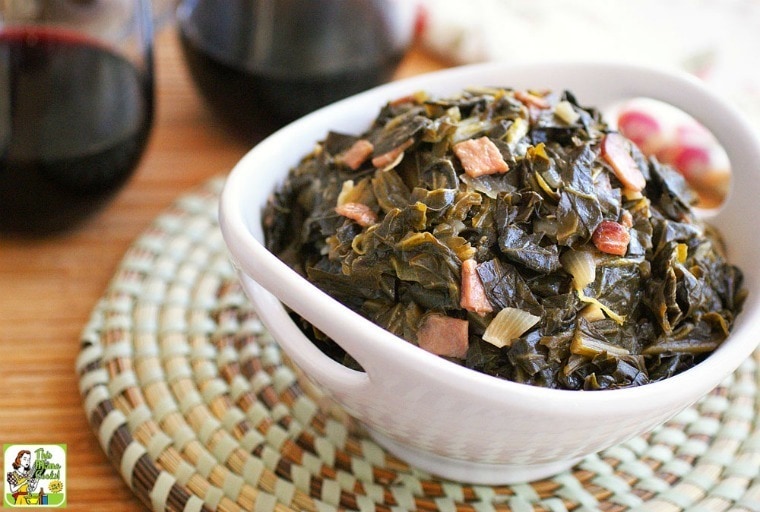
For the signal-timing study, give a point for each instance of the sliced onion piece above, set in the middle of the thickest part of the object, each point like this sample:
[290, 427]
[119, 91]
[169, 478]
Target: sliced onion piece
[581, 265]
[345, 192]
[620, 319]
[545, 187]
[592, 312]
[508, 325]
[565, 111]
[516, 131]
[585, 345]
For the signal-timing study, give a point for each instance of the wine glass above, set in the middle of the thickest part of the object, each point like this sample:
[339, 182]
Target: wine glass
[262, 63]
[76, 107]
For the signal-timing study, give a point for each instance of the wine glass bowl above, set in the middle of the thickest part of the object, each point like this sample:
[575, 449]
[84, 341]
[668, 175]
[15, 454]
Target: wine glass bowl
[76, 108]
[262, 63]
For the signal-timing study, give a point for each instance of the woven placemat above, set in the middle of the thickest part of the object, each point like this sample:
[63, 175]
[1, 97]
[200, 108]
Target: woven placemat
[198, 410]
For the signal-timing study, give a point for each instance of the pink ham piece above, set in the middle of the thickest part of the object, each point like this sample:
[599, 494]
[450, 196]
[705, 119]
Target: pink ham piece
[480, 156]
[357, 154]
[444, 336]
[384, 160]
[532, 100]
[472, 293]
[611, 237]
[358, 212]
[615, 152]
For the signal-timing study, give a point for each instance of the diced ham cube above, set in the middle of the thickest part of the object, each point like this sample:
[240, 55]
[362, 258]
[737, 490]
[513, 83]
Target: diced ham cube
[358, 212]
[532, 100]
[472, 293]
[357, 154]
[480, 156]
[444, 336]
[386, 159]
[615, 152]
[611, 237]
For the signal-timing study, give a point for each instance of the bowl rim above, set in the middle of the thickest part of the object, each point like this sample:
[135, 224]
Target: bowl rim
[251, 257]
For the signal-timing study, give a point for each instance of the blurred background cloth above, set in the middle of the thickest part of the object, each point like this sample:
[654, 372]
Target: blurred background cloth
[717, 40]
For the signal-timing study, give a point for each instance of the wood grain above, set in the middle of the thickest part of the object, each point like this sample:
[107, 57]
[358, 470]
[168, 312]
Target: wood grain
[48, 287]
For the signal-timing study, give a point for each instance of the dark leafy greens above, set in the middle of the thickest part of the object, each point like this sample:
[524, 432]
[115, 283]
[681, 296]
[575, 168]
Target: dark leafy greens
[591, 270]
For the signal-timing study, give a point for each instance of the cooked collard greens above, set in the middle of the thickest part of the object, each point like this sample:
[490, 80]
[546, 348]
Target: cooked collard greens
[513, 232]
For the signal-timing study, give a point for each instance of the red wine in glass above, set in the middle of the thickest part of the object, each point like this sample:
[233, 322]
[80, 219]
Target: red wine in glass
[262, 63]
[74, 120]
[255, 104]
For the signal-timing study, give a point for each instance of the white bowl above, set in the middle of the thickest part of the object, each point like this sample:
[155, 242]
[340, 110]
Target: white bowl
[443, 418]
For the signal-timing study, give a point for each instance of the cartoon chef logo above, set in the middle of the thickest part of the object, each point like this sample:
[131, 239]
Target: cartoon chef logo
[34, 475]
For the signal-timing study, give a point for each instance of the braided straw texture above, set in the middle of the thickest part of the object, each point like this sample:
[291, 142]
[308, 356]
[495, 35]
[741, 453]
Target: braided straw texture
[198, 410]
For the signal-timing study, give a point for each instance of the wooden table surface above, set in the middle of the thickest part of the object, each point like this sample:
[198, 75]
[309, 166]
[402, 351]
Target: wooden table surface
[49, 287]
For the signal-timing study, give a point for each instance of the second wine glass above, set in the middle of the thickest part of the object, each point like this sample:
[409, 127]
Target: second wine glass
[262, 63]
